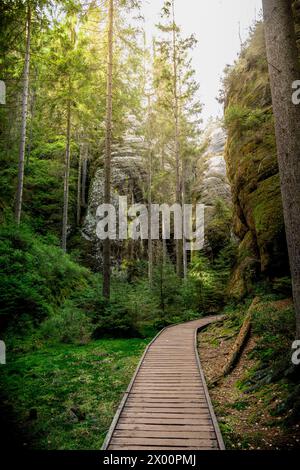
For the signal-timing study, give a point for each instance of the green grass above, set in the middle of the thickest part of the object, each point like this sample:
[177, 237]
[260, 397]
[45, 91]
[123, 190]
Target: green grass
[65, 396]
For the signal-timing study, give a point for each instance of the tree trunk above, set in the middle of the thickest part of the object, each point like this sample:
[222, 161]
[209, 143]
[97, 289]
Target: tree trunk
[150, 245]
[79, 185]
[19, 197]
[177, 144]
[66, 178]
[32, 110]
[184, 252]
[108, 138]
[239, 344]
[84, 177]
[282, 56]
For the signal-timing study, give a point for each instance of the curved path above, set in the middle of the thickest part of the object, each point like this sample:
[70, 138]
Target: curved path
[167, 405]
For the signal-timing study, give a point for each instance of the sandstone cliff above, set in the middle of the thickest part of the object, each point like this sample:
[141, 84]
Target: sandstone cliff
[252, 169]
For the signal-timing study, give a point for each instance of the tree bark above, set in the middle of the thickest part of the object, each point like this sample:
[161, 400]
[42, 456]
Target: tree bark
[79, 185]
[239, 343]
[184, 252]
[66, 177]
[177, 143]
[32, 110]
[19, 196]
[150, 244]
[283, 62]
[108, 139]
[84, 177]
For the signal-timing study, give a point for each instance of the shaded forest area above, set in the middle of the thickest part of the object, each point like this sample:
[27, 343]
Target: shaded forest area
[96, 110]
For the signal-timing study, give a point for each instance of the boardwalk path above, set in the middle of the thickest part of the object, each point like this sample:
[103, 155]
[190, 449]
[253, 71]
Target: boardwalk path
[167, 405]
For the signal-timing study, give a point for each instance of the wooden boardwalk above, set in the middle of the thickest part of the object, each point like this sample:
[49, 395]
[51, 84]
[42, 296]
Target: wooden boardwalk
[167, 405]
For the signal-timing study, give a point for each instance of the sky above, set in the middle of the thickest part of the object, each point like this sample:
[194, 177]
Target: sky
[216, 25]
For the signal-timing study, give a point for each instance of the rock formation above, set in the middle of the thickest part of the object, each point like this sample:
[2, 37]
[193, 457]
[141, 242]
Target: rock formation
[252, 169]
[128, 178]
[211, 186]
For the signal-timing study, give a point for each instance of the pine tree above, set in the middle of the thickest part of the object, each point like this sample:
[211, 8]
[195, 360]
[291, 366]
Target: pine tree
[176, 91]
[19, 197]
[108, 139]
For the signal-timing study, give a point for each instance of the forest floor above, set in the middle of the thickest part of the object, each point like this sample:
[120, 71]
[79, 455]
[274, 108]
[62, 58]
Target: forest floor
[64, 397]
[247, 419]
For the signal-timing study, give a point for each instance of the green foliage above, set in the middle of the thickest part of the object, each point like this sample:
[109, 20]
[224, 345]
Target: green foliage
[283, 286]
[239, 118]
[35, 277]
[210, 279]
[74, 391]
[43, 195]
[218, 230]
[273, 325]
[69, 325]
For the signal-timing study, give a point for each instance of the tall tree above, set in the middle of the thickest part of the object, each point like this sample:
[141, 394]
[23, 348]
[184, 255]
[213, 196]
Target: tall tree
[176, 97]
[108, 141]
[67, 173]
[69, 101]
[19, 197]
[150, 170]
[283, 62]
[179, 267]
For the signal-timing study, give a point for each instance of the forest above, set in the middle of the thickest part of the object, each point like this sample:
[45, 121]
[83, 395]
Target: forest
[92, 109]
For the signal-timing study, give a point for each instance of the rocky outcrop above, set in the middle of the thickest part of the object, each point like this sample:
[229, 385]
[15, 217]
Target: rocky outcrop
[253, 171]
[128, 178]
[211, 174]
[211, 186]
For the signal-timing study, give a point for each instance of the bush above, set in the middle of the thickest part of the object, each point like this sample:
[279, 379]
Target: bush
[218, 231]
[239, 119]
[43, 195]
[35, 278]
[210, 280]
[131, 311]
[70, 325]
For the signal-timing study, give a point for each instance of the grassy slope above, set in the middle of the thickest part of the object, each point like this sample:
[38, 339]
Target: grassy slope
[255, 404]
[65, 396]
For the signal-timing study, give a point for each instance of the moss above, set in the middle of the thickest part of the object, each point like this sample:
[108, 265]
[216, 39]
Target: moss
[73, 390]
[269, 223]
[253, 169]
[241, 282]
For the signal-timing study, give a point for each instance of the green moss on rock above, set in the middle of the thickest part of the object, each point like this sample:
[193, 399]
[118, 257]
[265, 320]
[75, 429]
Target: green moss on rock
[252, 168]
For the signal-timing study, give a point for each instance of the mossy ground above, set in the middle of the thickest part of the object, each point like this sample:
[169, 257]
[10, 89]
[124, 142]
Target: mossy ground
[64, 397]
[252, 404]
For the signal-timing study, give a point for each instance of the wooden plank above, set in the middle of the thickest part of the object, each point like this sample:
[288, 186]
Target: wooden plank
[164, 394]
[164, 442]
[170, 434]
[166, 401]
[158, 406]
[165, 421]
[170, 381]
[165, 414]
[160, 427]
[167, 388]
[168, 410]
[147, 447]
[172, 387]
[166, 405]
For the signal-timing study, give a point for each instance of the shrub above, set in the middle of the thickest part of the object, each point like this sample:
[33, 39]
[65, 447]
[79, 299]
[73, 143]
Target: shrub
[218, 230]
[239, 119]
[70, 325]
[35, 277]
